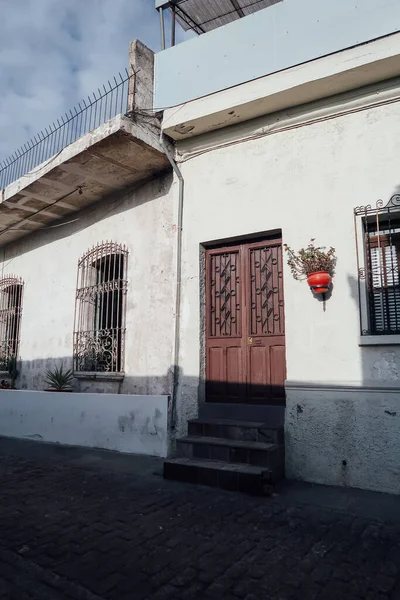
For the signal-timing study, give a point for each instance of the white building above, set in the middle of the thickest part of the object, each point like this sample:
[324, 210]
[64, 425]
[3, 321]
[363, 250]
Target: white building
[282, 126]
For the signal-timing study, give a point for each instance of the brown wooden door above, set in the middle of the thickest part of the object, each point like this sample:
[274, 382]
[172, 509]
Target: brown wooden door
[245, 338]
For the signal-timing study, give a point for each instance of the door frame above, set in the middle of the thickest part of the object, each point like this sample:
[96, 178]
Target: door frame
[231, 242]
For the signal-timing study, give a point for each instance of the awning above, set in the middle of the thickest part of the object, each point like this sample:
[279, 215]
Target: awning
[204, 15]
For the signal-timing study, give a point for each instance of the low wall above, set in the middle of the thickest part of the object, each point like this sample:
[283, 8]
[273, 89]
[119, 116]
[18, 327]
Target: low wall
[344, 435]
[126, 423]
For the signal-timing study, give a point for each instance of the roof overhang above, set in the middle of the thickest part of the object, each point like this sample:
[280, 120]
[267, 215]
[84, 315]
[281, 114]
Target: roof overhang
[324, 77]
[115, 156]
[205, 15]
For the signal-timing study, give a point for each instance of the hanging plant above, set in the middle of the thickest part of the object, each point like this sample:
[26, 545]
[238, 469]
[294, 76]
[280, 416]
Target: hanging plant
[314, 263]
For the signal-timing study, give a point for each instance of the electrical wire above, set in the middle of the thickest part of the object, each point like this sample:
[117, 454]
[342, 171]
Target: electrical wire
[272, 131]
[77, 189]
[112, 207]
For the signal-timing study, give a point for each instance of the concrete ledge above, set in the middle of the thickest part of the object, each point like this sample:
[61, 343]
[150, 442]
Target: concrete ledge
[96, 376]
[126, 423]
[379, 340]
[341, 72]
[344, 386]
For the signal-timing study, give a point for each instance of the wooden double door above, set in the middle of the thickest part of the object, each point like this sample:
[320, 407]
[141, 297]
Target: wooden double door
[245, 325]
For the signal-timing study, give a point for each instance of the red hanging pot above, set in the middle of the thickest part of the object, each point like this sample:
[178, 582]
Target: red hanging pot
[319, 282]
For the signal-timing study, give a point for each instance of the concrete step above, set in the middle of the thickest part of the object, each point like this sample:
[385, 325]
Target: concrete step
[259, 454]
[273, 415]
[227, 476]
[253, 431]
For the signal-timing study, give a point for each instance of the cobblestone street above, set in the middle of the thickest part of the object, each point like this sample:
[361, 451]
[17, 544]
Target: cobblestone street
[72, 530]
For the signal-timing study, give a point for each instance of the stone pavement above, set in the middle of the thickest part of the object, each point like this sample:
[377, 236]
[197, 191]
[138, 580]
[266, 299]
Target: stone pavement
[91, 526]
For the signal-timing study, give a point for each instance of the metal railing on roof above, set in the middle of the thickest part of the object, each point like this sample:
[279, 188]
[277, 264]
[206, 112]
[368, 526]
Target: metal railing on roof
[88, 114]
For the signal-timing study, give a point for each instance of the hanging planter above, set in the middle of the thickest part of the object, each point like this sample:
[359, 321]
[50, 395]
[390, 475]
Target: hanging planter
[319, 282]
[314, 263]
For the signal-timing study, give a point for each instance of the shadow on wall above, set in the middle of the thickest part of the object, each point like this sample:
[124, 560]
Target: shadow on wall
[379, 363]
[191, 389]
[114, 203]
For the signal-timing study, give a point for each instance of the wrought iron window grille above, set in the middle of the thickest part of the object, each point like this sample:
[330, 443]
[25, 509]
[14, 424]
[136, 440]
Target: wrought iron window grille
[100, 309]
[377, 231]
[11, 292]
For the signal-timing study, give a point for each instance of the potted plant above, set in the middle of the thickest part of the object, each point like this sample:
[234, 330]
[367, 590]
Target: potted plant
[314, 263]
[59, 380]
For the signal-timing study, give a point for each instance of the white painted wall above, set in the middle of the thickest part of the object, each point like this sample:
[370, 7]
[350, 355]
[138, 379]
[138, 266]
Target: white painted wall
[306, 180]
[126, 423]
[47, 261]
[268, 41]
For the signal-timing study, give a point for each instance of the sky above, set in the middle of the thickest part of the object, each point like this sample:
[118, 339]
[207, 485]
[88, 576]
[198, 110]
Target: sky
[53, 53]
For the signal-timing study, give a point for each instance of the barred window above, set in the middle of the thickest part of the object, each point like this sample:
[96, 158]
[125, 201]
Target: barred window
[100, 309]
[380, 273]
[11, 288]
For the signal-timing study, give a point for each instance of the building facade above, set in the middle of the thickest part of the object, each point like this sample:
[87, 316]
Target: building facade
[167, 274]
[280, 139]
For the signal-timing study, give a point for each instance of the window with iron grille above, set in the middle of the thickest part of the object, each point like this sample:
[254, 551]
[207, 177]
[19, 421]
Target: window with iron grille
[100, 309]
[11, 289]
[379, 283]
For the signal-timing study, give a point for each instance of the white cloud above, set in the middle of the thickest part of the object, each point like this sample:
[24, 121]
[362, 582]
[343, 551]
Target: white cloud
[55, 52]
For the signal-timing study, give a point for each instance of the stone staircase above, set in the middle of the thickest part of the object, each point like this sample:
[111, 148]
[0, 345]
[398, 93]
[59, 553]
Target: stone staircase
[237, 455]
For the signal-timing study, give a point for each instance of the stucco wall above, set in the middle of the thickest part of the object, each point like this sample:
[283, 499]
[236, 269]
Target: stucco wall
[143, 219]
[306, 181]
[126, 423]
[346, 437]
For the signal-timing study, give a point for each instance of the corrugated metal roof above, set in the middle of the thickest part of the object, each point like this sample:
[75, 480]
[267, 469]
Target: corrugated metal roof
[205, 15]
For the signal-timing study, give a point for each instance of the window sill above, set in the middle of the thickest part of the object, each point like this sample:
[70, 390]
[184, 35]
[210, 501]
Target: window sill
[100, 376]
[379, 340]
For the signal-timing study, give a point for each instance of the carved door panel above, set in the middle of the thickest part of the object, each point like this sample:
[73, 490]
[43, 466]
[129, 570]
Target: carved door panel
[245, 339]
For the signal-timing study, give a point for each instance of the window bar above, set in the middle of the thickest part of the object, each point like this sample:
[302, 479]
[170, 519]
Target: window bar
[114, 291]
[13, 312]
[392, 279]
[107, 266]
[99, 264]
[76, 307]
[382, 290]
[369, 281]
[122, 319]
[3, 330]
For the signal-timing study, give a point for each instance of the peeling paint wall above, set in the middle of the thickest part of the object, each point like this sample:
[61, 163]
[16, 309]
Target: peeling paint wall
[126, 423]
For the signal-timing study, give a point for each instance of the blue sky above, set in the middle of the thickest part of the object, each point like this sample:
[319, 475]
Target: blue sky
[55, 52]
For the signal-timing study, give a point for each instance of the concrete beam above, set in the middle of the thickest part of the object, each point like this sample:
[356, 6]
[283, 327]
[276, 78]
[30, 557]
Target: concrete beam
[116, 155]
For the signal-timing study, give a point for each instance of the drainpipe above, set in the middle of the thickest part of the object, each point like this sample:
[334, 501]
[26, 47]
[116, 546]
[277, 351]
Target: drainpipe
[178, 293]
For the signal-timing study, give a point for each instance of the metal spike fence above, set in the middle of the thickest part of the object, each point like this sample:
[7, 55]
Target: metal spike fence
[104, 104]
